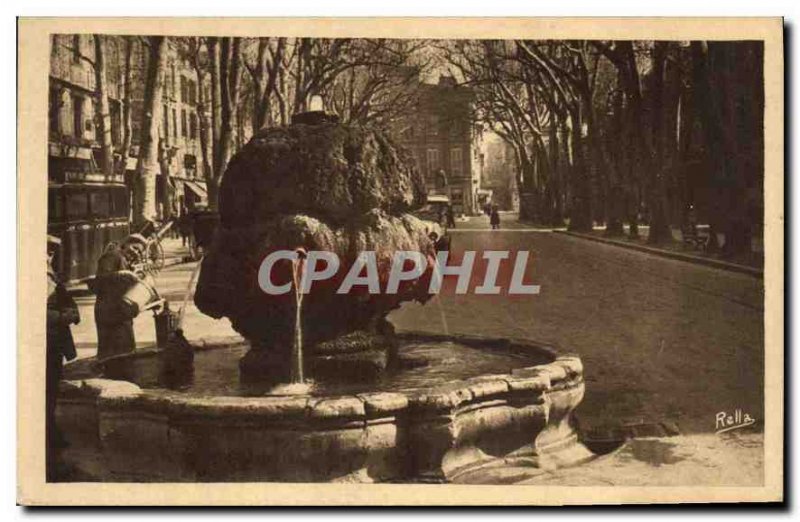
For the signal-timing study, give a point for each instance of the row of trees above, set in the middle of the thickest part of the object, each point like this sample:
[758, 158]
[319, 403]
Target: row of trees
[627, 131]
[603, 131]
[246, 84]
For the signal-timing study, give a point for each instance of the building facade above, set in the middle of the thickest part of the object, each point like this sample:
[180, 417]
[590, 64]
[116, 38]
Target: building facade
[88, 208]
[446, 144]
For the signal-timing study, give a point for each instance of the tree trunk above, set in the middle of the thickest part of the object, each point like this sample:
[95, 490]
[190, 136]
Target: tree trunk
[225, 61]
[615, 200]
[148, 166]
[735, 130]
[127, 131]
[660, 231]
[281, 95]
[581, 212]
[230, 63]
[216, 105]
[638, 164]
[204, 132]
[556, 178]
[103, 109]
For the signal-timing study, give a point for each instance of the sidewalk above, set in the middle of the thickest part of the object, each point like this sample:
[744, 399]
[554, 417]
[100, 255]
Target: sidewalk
[172, 283]
[508, 223]
[663, 251]
[708, 459]
[174, 251]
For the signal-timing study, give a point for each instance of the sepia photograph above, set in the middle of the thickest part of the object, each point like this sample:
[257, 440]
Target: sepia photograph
[541, 256]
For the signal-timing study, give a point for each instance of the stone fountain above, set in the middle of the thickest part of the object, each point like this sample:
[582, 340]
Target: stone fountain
[381, 406]
[328, 187]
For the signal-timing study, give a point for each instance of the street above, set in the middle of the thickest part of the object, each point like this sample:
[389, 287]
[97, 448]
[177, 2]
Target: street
[660, 339]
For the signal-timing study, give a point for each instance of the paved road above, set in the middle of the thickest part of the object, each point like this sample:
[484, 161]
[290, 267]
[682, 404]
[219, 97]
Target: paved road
[660, 339]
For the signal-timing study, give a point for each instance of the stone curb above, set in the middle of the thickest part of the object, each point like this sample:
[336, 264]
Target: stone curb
[564, 370]
[714, 263]
[172, 261]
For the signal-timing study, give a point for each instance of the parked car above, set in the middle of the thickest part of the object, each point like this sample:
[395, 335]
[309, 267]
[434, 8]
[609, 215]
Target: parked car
[435, 209]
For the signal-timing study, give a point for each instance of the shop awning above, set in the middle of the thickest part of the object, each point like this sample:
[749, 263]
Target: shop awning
[437, 198]
[197, 188]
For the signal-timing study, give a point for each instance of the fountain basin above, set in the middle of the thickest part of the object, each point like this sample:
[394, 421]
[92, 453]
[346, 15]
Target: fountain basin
[423, 428]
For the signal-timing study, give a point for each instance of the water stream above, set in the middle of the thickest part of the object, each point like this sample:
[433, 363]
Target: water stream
[298, 265]
[188, 293]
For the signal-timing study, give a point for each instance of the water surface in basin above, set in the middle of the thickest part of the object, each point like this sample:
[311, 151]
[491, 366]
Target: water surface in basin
[419, 365]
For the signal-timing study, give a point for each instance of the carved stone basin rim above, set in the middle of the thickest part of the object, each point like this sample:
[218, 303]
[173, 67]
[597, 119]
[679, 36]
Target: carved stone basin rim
[435, 433]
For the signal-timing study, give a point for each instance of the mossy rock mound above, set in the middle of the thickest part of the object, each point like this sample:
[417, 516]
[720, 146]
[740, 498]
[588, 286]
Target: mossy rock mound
[332, 172]
[228, 284]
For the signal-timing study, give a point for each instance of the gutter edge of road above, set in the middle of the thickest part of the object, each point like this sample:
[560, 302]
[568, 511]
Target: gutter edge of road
[714, 263]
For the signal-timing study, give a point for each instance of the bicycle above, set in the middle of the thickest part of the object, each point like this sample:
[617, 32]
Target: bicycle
[149, 258]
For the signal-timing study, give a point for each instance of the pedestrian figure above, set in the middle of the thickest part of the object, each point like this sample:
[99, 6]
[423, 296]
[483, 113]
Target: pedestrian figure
[185, 227]
[451, 220]
[113, 310]
[494, 218]
[61, 313]
[691, 220]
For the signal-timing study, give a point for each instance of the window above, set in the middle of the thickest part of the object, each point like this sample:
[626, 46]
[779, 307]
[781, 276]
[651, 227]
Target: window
[55, 205]
[100, 203]
[77, 205]
[184, 124]
[116, 122]
[175, 122]
[192, 88]
[456, 129]
[433, 161]
[433, 125]
[55, 107]
[192, 125]
[77, 115]
[169, 84]
[455, 161]
[120, 202]
[166, 122]
[189, 161]
[76, 48]
[54, 43]
[184, 92]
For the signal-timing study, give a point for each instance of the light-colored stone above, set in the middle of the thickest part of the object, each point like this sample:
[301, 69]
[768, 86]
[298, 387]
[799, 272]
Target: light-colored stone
[488, 388]
[344, 407]
[382, 404]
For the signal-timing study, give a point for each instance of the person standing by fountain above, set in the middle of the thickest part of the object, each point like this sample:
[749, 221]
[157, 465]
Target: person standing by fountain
[121, 295]
[61, 313]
